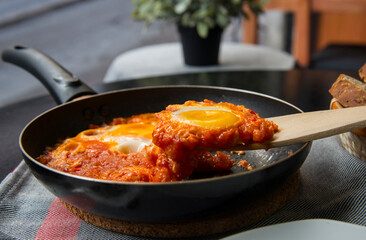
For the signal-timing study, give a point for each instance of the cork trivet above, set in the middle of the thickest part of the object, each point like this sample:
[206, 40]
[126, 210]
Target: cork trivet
[218, 223]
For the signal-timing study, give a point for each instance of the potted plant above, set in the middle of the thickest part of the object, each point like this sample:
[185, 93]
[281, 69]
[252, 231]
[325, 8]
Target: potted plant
[200, 23]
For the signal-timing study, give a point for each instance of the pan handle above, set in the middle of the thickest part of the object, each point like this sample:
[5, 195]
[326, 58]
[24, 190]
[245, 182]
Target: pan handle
[62, 85]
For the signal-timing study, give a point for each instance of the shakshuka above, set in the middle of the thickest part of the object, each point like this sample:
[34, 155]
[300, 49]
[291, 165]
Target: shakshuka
[161, 147]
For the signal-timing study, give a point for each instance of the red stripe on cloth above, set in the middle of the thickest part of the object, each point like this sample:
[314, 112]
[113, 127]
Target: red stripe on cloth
[59, 223]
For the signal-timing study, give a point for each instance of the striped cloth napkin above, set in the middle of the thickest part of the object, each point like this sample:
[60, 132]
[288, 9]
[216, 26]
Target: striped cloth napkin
[333, 186]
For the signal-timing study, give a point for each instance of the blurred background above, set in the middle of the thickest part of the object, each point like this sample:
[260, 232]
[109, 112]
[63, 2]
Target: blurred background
[82, 35]
[86, 35]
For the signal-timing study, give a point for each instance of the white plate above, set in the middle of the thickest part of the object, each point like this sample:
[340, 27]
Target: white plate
[312, 229]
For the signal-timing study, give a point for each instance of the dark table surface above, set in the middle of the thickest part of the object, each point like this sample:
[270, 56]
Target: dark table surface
[307, 89]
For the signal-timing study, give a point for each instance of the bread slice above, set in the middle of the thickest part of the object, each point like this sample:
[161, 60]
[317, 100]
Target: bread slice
[362, 72]
[349, 91]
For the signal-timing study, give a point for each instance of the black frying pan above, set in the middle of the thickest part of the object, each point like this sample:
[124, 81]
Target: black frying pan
[202, 194]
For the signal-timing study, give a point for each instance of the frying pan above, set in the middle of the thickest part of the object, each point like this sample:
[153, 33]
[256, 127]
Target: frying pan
[201, 194]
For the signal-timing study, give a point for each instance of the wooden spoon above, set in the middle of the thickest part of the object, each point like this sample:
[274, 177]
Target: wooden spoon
[304, 127]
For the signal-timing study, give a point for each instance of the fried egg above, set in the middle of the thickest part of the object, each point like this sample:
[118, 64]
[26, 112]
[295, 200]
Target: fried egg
[127, 138]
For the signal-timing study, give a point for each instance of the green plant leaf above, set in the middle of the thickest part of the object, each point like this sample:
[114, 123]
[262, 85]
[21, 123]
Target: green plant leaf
[202, 13]
[222, 10]
[181, 6]
[222, 20]
[202, 29]
[236, 2]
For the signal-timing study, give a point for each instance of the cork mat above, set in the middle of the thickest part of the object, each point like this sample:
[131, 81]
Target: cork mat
[217, 223]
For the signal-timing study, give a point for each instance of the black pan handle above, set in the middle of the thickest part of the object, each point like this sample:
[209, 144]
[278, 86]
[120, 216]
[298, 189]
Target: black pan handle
[62, 85]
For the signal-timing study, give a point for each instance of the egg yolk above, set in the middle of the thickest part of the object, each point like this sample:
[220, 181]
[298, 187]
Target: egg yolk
[206, 117]
[139, 129]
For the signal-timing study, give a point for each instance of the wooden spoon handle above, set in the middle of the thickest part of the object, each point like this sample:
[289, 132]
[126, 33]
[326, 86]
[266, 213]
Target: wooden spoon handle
[304, 127]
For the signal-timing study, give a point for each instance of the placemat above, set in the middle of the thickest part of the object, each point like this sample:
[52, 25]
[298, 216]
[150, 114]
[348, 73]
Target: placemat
[220, 222]
[332, 186]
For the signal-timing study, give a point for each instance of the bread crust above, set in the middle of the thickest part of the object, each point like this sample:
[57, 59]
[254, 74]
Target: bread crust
[334, 104]
[362, 72]
[349, 91]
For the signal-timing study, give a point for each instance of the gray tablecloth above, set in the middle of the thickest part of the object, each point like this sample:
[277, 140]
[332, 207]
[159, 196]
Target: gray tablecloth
[333, 186]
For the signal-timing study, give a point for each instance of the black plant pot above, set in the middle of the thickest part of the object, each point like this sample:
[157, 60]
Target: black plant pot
[199, 51]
